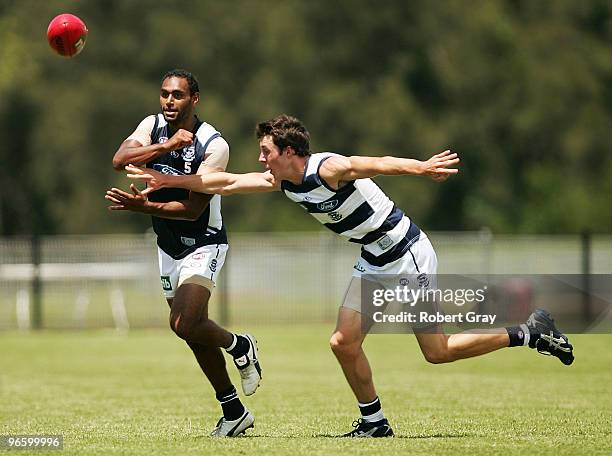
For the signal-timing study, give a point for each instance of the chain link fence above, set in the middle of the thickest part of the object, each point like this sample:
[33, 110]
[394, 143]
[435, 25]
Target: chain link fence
[113, 281]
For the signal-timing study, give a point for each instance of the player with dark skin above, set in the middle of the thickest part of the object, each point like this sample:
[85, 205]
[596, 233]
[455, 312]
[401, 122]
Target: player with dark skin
[189, 308]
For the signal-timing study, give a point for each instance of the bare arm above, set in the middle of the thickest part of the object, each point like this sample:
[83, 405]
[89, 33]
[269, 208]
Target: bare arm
[131, 151]
[218, 183]
[138, 150]
[136, 201]
[338, 169]
[188, 209]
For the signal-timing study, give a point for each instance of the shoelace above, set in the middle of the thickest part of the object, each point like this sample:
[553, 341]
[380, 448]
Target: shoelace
[553, 344]
[356, 425]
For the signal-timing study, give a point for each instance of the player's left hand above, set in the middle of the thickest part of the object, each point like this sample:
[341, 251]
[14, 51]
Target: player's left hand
[124, 201]
[437, 167]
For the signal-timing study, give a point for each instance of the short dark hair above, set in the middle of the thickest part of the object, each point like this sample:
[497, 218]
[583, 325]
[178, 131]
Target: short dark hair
[286, 131]
[192, 82]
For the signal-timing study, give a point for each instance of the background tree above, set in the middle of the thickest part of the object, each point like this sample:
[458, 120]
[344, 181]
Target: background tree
[522, 90]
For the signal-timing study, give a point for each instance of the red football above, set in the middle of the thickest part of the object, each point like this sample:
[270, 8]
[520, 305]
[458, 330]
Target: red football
[67, 34]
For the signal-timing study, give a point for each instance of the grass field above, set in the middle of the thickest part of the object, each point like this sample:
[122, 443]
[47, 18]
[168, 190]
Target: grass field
[141, 393]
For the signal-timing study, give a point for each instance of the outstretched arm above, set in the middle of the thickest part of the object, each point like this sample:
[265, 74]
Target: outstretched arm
[338, 169]
[218, 183]
[189, 209]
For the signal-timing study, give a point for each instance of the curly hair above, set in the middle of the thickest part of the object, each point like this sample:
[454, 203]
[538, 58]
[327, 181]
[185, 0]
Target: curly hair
[192, 82]
[286, 131]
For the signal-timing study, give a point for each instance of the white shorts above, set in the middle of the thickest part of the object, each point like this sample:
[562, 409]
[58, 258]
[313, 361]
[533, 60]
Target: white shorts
[200, 267]
[419, 262]
[419, 259]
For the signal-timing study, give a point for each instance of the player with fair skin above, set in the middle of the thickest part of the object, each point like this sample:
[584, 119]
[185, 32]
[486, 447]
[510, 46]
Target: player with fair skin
[177, 143]
[283, 150]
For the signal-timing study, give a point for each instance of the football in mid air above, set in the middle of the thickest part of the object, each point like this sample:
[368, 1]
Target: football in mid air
[67, 35]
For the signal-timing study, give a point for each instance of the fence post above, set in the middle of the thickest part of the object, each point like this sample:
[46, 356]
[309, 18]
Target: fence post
[485, 236]
[328, 273]
[586, 275]
[37, 322]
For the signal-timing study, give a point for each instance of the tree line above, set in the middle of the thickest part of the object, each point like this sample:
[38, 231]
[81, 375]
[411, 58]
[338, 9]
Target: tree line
[522, 90]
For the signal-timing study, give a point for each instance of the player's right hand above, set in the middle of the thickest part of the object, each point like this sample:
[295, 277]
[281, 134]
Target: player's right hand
[153, 179]
[180, 139]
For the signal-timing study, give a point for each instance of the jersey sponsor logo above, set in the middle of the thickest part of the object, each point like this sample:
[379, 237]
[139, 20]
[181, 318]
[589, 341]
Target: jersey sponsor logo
[327, 205]
[165, 283]
[335, 216]
[188, 241]
[213, 265]
[384, 242]
[174, 154]
[165, 169]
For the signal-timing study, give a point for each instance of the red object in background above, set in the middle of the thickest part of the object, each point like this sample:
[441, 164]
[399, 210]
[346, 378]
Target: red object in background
[67, 34]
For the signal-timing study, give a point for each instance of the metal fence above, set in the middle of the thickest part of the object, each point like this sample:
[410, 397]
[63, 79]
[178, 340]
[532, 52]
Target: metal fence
[113, 281]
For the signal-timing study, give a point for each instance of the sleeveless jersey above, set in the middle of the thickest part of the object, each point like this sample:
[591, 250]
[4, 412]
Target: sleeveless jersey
[178, 238]
[359, 211]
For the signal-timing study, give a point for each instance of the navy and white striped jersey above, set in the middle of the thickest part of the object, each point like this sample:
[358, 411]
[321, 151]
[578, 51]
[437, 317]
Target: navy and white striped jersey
[178, 238]
[359, 211]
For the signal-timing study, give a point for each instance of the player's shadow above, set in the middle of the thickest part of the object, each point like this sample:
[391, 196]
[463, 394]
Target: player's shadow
[420, 436]
[439, 436]
[241, 436]
[336, 436]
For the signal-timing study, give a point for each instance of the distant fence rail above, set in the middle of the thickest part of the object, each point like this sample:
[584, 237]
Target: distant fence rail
[113, 281]
[71, 271]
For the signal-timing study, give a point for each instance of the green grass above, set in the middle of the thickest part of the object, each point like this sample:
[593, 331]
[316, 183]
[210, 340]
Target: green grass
[142, 393]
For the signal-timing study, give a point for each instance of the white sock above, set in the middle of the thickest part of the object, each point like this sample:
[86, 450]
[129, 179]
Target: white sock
[233, 344]
[371, 411]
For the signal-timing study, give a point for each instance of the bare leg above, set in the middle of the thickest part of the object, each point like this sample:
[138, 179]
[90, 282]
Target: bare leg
[346, 343]
[212, 363]
[210, 358]
[189, 318]
[438, 348]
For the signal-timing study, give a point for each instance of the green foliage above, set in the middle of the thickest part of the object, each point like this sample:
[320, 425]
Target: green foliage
[522, 90]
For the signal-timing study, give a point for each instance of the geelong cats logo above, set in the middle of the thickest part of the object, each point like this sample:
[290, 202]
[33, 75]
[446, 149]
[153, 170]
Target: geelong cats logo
[189, 153]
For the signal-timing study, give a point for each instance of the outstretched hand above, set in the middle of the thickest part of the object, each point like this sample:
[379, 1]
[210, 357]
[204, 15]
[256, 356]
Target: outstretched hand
[153, 179]
[124, 201]
[437, 167]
